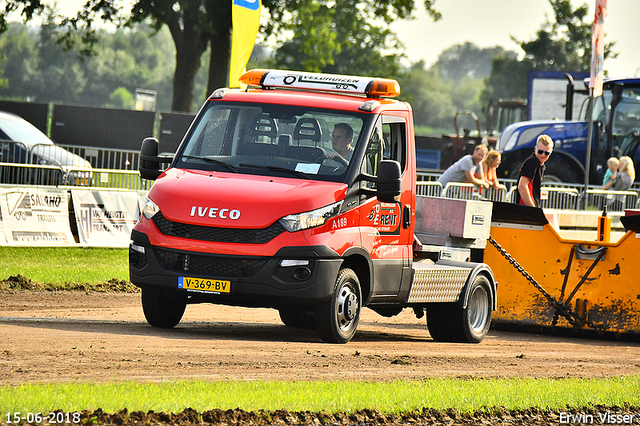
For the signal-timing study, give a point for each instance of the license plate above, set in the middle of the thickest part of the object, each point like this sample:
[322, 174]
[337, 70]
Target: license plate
[204, 284]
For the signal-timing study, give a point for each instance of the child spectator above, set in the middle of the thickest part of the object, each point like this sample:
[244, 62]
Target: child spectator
[612, 171]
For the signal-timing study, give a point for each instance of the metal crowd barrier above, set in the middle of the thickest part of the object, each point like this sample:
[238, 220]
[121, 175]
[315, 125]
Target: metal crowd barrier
[103, 158]
[493, 194]
[121, 179]
[30, 174]
[468, 191]
[559, 198]
[461, 191]
[429, 188]
[616, 201]
[553, 197]
[14, 152]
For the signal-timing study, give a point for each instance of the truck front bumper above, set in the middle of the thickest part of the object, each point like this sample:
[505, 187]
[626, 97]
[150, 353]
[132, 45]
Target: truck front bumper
[294, 276]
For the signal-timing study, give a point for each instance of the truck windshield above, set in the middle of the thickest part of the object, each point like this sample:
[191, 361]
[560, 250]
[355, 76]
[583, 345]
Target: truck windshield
[274, 140]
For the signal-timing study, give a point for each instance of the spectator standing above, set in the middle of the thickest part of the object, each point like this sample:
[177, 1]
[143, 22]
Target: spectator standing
[532, 171]
[465, 169]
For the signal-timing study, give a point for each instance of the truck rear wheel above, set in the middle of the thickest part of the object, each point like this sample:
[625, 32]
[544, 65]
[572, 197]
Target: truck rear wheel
[337, 320]
[448, 322]
[161, 310]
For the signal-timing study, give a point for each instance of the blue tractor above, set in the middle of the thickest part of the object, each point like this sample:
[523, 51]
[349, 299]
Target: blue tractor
[616, 132]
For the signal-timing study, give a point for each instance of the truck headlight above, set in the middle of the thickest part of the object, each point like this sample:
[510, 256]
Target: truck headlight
[318, 217]
[149, 208]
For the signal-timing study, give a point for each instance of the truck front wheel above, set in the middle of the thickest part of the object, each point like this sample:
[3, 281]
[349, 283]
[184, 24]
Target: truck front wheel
[161, 310]
[449, 322]
[337, 320]
[297, 317]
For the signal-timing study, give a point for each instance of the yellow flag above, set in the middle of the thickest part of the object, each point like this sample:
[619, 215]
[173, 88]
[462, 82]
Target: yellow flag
[245, 15]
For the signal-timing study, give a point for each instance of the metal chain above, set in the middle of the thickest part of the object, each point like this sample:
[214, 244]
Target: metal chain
[561, 308]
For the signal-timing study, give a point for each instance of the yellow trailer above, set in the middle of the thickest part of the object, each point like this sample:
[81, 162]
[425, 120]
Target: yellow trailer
[545, 280]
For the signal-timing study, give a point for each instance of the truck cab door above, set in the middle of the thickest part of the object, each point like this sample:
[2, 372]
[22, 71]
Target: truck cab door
[386, 230]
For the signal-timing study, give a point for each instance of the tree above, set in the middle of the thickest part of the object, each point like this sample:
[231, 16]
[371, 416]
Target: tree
[561, 45]
[466, 60]
[194, 24]
[35, 67]
[429, 96]
[340, 37]
[27, 9]
[509, 78]
[18, 62]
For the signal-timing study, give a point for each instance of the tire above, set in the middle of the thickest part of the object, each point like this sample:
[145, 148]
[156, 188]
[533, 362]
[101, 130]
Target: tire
[476, 317]
[297, 318]
[449, 322]
[337, 320]
[561, 169]
[161, 310]
[438, 321]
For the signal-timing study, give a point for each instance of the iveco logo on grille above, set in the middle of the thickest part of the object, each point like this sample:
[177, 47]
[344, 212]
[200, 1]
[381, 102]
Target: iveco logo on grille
[215, 212]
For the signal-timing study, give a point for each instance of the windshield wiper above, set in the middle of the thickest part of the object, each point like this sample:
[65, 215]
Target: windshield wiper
[276, 169]
[213, 161]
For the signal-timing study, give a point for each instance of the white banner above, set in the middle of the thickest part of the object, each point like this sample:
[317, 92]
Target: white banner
[105, 219]
[597, 47]
[36, 217]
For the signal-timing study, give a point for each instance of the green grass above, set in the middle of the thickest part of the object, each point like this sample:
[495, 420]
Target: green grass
[387, 397]
[93, 268]
[57, 268]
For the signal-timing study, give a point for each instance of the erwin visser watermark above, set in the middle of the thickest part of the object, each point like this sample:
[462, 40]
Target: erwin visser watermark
[603, 418]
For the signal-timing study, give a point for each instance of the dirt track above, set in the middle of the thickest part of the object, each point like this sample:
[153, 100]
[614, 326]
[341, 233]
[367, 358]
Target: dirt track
[69, 336]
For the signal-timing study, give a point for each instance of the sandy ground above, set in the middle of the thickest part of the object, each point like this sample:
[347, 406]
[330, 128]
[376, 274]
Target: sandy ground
[71, 336]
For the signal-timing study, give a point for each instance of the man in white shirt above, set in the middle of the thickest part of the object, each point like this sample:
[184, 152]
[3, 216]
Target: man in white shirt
[464, 170]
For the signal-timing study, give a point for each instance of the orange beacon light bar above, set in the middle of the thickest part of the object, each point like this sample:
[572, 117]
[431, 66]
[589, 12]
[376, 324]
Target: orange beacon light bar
[373, 87]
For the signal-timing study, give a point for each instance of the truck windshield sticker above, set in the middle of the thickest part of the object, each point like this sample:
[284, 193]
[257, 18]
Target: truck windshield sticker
[311, 169]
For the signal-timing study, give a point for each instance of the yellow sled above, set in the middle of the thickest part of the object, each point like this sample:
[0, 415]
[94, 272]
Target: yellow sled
[545, 280]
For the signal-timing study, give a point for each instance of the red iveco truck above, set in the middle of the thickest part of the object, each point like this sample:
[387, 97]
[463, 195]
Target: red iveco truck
[261, 207]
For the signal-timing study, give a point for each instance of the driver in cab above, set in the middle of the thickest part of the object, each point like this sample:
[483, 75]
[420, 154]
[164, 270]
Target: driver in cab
[341, 139]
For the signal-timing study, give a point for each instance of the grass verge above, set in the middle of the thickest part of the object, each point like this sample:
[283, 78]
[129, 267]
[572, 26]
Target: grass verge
[64, 268]
[469, 395]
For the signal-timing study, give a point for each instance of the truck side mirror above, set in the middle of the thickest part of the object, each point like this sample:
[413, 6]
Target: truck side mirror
[389, 181]
[149, 162]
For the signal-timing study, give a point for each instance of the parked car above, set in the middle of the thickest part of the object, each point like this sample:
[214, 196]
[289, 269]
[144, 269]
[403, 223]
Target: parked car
[21, 142]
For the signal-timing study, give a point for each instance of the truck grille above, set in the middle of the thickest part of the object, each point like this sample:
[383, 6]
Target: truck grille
[215, 266]
[219, 235]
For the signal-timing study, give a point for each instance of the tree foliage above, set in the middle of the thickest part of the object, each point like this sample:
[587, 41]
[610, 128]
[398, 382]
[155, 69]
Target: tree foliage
[36, 68]
[454, 83]
[563, 44]
[466, 61]
[339, 37]
[429, 95]
[196, 24]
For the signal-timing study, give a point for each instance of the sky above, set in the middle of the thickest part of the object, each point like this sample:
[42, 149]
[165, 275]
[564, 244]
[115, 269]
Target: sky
[489, 23]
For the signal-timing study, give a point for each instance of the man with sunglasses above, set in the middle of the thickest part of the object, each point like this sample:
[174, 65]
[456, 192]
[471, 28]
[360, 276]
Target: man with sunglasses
[532, 171]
